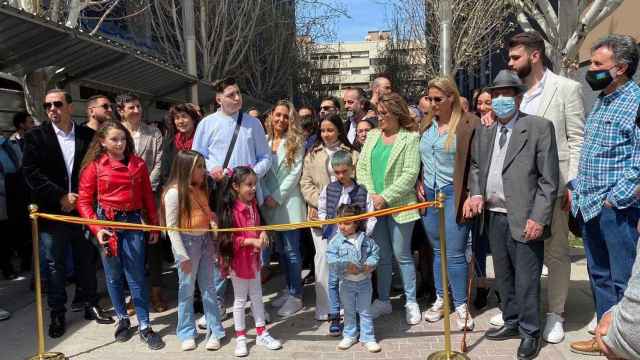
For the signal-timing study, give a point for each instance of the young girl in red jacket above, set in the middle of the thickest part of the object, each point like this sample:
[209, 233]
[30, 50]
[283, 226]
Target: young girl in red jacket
[241, 254]
[116, 182]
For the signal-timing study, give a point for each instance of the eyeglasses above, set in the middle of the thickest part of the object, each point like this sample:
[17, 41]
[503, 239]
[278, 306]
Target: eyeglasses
[104, 106]
[435, 99]
[56, 104]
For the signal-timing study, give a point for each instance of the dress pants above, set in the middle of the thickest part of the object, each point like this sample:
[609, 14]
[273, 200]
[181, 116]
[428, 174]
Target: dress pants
[517, 266]
[556, 257]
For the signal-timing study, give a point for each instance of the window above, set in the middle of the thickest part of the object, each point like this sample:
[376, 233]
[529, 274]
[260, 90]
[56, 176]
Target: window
[360, 55]
[356, 72]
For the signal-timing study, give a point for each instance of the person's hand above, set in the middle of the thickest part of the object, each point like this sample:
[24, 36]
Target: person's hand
[476, 205]
[264, 240]
[312, 214]
[153, 238]
[103, 236]
[352, 269]
[532, 230]
[68, 202]
[467, 212]
[566, 202]
[488, 119]
[607, 204]
[270, 202]
[217, 173]
[601, 330]
[186, 266]
[378, 202]
[420, 192]
[368, 268]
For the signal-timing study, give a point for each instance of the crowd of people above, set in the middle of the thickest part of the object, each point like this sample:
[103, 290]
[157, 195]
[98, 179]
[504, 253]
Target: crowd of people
[520, 167]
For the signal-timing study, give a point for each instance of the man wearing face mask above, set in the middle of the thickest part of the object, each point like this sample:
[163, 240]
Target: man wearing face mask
[514, 176]
[609, 170]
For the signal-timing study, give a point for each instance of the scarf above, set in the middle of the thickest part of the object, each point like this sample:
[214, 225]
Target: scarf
[182, 142]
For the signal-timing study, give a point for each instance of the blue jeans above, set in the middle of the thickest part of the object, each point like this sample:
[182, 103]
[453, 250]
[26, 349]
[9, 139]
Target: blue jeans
[457, 236]
[200, 249]
[334, 292]
[129, 265]
[356, 298]
[610, 246]
[395, 240]
[288, 245]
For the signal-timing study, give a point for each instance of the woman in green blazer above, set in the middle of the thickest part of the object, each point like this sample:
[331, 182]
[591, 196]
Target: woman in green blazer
[283, 201]
[388, 167]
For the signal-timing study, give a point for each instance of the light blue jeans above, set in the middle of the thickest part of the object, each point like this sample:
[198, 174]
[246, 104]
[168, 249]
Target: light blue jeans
[394, 238]
[200, 249]
[356, 300]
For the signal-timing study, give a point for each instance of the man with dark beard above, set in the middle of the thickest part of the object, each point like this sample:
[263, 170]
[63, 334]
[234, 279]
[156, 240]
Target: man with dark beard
[99, 110]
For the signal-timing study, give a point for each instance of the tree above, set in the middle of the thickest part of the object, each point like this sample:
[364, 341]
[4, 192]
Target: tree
[564, 29]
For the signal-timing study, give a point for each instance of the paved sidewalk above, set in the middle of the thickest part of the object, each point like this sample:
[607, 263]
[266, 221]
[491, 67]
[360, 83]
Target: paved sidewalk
[303, 337]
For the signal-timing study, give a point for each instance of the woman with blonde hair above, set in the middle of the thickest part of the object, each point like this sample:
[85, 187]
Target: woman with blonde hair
[283, 202]
[445, 152]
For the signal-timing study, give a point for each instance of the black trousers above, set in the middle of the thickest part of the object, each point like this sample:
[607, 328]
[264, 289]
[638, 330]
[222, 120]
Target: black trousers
[517, 266]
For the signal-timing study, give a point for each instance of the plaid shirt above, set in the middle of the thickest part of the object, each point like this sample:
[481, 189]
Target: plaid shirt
[609, 167]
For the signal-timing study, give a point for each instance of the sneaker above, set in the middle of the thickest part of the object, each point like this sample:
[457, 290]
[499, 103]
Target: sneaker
[280, 300]
[463, 316]
[412, 315]
[241, 347]
[545, 271]
[379, 308]
[153, 340]
[123, 330]
[436, 311]
[202, 323]
[497, 320]
[291, 306]
[591, 328]
[188, 345]
[372, 347]
[346, 343]
[4, 314]
[268, 341]
[213, 343]
[335, 327]
[553, 329]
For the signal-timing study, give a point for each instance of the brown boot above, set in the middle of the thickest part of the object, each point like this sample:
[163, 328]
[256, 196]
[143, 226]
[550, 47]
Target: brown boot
[131, 309]
[586, 347]
[157, 302]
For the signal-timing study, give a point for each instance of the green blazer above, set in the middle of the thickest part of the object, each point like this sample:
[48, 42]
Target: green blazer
[401, 172]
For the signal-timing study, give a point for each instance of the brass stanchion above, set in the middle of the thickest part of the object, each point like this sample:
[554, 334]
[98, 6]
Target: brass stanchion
[35, 236]
[447, 353]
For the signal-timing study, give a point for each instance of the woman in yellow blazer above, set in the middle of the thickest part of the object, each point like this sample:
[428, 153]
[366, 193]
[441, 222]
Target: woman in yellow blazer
[388, 167]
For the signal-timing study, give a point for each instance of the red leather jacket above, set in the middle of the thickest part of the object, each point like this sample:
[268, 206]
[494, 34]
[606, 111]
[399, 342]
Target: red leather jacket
[117, 187]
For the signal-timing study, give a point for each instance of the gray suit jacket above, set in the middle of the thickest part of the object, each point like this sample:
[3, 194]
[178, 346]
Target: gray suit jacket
[151, 152]
[530, 173]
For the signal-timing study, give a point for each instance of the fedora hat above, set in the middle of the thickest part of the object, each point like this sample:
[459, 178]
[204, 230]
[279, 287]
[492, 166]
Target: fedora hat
[508, 79]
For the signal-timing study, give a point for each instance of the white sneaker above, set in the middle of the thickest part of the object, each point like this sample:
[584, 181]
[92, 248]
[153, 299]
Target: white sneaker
[545, 271]
[213, 343]
[412, 313]
[497, 320]
[241, 347]
[463, 314]
[591, 328]
[268, 341]
[380, 308]
[280, 300]
[188, 345]
[202, 323]
[372, 347]
[346, 343]
[553, 329]
[291, 306]
[321, 317]
[436, 311]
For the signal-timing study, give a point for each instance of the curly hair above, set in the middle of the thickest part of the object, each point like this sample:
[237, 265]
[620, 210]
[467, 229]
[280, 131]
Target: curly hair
[186, 108]
[295, 136]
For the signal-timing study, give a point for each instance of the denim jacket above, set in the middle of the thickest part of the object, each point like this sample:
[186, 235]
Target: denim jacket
[341, 252]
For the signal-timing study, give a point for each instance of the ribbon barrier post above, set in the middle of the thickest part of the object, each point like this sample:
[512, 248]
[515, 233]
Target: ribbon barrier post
[447, 353]
[41, 355]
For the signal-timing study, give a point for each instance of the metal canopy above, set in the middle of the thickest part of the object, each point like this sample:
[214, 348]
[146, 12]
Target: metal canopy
[29, 42]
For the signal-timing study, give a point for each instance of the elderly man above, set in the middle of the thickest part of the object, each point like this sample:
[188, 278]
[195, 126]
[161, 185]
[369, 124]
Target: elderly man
[514, 176]
[353, 99]
[380, 86]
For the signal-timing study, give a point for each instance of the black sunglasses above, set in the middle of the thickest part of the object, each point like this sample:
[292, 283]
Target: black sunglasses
[104, 106]
[57, 104]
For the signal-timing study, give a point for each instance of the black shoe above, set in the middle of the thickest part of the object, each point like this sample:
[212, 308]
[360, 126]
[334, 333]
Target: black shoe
[310, 279]
[123, 330]
[529, 348]
[503, 333]
[58, 325]
[10, 275]
[94, 313]
[481, 298]
[335, 327]
[152, 339]
[77, 305]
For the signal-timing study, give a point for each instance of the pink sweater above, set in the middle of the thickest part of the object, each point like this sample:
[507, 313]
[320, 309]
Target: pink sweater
[246, 259]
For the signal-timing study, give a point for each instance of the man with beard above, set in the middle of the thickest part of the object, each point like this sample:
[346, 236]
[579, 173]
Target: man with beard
[353, 99]
[99, 110]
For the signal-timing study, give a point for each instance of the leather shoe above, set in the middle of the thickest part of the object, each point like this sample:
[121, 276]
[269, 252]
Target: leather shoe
[586, 347]
[94, 313]
[503, 333]
[529, 348]
[58, 325]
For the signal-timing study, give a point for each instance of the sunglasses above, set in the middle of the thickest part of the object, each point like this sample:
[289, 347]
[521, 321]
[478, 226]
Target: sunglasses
[104, 106]
[327, 108]
[56, 104]
[435, 99]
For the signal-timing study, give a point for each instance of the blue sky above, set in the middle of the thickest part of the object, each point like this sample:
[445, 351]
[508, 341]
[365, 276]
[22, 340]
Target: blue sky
[365, 15]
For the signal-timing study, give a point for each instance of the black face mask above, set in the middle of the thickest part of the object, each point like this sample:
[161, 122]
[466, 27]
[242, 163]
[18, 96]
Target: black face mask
[599, 79]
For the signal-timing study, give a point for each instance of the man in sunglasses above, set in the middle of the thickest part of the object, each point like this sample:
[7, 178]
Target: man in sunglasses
[329, 106]
[99, 110]
[52, 157]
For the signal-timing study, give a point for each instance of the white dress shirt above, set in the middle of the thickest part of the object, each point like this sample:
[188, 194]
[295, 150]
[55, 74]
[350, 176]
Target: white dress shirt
[531, 101]
[67, 142]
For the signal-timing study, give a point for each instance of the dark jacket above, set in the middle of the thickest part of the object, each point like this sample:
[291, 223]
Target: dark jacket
[168, 154]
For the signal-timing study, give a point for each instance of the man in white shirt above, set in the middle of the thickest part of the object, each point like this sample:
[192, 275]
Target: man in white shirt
[353, 99]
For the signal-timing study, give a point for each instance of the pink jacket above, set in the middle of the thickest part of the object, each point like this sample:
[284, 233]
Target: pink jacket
[246, 259]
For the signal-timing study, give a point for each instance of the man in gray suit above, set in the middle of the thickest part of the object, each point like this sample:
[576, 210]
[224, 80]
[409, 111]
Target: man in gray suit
[514, 175]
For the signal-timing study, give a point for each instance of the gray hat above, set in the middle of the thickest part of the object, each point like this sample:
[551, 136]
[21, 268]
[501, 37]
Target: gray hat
[508, 79]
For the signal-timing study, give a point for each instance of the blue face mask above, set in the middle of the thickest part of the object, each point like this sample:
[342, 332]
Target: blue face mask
[504, 106]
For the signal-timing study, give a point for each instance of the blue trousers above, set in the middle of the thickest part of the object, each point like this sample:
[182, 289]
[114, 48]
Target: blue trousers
[395, 240]
[356, 299]
[288, 246]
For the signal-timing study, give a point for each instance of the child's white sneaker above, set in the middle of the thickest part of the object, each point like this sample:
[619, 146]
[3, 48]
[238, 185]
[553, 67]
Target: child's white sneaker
[346, 343]
[373, 347]
[202, 323]
[241, 347]
[188, 345]
[213, 343]
[268, 341]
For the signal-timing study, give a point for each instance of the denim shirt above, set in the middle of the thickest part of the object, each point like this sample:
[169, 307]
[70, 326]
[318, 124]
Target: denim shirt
[341, 252]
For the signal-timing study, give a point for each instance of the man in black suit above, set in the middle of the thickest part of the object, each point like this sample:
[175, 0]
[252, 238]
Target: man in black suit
[52, 157]
[514, 176]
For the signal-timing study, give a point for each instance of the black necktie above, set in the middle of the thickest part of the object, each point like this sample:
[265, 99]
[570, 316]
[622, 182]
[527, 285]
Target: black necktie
[503, 136]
